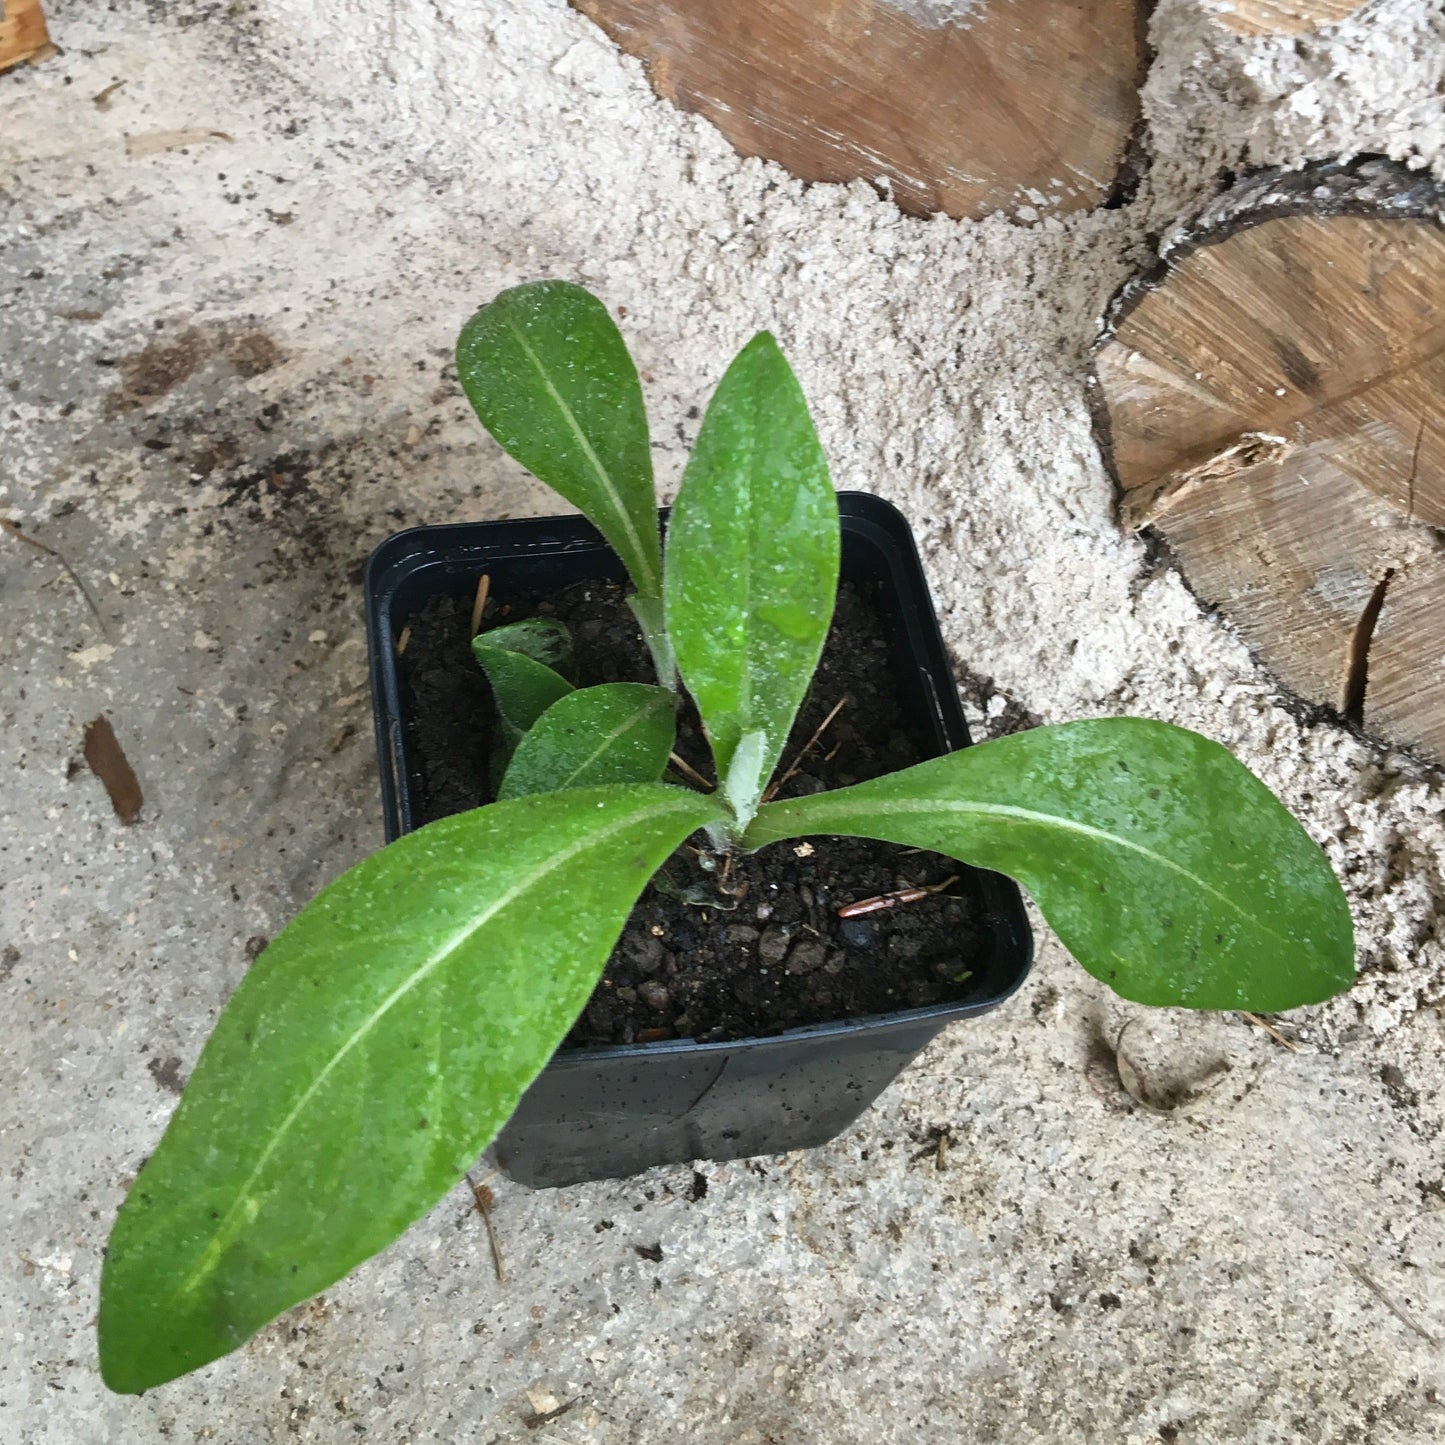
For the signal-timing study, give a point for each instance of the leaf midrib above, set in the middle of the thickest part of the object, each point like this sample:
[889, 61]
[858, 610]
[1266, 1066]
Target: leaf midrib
[651, 585]
[1029, 815]
[227, 1229]
[747, 483]
[638, 716]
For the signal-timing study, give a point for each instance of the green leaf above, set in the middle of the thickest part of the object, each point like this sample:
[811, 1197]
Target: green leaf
[752, 565]
[543, 639]
[617, 732]
[1164, 865]
[524, 662]
[372, 1051]
[549, 375]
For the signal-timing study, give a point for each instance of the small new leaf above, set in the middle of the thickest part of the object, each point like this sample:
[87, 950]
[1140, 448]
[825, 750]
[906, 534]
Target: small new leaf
[524, 662]
[1164, 865]
[371, 1053]
[617, 732]
[543, 639]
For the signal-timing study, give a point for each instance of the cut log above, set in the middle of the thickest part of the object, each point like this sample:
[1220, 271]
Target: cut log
[22, 32]
[1271, 402]
[1282, 17]
[961, 108]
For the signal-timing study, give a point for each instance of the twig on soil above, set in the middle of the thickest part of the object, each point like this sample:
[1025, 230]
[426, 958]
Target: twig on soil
[14, 531]
[881, 901]
[690, 772]
[773, 787]
[402, 641]
[484, 585]
[1270, 1029]
[1390, 1304]
[485, 1199]
[101, 99]
[535, 1422]
[940, 1136]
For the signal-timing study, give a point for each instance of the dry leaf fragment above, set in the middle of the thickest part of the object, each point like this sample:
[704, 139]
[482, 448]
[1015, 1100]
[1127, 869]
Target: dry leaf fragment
[170, 140]
[106, 759]
[484, 1200]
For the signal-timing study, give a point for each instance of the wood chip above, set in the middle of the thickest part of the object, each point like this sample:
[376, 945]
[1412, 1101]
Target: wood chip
[479, 603]
[101, 99]
[106, 759]
[1281, 17]
[170, 140]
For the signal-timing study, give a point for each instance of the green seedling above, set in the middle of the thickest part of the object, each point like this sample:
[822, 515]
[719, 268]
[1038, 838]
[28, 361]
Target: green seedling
[383, 1039]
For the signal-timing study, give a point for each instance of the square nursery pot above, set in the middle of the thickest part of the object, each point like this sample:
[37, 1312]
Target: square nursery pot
[604, 1113]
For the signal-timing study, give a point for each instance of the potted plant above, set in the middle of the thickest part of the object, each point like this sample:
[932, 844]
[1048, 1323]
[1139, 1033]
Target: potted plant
[809, 1067]
[390, 1031]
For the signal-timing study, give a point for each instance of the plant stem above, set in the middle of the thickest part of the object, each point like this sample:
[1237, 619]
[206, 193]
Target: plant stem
[649, 615]
[723, 836]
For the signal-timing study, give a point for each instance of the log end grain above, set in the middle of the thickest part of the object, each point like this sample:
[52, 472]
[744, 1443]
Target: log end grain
[1020, 104]
[1271, 402]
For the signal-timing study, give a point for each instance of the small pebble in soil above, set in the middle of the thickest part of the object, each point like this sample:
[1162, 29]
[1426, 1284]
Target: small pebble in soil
[644, 952]
[654, 994]
[806, 955]
[773, 946]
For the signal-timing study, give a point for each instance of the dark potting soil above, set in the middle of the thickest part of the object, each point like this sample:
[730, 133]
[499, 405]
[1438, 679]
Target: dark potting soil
[765, 949]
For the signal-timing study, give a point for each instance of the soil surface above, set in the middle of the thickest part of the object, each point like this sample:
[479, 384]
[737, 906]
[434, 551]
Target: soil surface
[741, 947]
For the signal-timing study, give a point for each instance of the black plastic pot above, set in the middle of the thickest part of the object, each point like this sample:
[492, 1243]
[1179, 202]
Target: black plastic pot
[609, 1112]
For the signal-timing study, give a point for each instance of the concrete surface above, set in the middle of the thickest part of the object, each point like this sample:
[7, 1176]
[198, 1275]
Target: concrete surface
[224, 377]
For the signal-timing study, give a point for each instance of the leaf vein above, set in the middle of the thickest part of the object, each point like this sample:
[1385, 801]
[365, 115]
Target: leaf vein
[1029, 815]
[640, 560]
[248, 1205]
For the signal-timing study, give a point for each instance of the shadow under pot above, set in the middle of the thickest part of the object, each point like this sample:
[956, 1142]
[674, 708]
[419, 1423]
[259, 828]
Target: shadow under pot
[785, 1005]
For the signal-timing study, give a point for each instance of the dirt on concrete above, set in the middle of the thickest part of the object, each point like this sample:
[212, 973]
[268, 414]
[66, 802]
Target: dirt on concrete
[1011, 1245]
